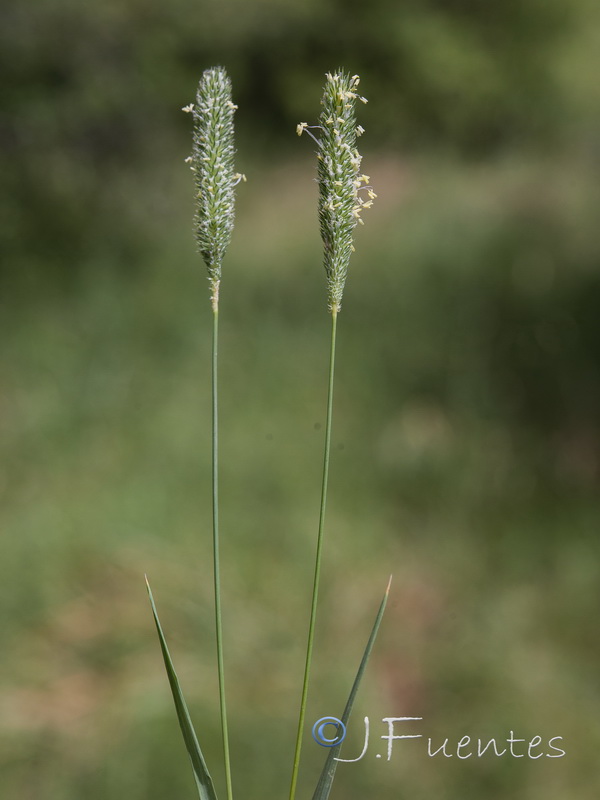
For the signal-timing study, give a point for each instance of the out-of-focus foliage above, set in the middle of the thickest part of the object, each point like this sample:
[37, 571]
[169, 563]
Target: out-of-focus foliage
[467, 431]
[93, 89]
[466, 460]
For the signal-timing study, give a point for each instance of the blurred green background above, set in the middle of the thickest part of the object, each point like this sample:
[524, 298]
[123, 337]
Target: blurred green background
[467, 430]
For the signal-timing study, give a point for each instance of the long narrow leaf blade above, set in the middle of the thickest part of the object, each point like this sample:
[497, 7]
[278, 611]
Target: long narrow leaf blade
[327, 775]
[204, 784]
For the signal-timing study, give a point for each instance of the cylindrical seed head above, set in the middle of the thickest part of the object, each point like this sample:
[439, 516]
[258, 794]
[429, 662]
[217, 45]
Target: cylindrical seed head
[340, 181]
[212, 164]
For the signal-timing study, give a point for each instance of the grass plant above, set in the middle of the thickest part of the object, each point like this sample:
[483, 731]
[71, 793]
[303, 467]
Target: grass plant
[343, 194]
[340, 204]
[212, 165]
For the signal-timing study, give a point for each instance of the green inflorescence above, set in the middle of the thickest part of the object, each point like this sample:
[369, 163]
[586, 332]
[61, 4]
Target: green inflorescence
[212, 163]
[340, 181]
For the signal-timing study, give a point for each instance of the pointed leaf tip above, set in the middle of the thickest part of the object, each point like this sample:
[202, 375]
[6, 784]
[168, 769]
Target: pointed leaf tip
[328, 774]
[204, 784]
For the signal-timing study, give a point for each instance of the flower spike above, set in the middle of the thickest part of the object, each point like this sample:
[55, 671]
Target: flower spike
[212, 165]
[340, 181]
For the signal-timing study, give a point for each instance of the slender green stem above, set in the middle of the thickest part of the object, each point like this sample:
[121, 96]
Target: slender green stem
[216, 564]
[315, 592]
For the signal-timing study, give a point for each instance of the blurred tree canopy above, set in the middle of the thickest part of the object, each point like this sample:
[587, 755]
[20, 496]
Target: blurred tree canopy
[94, 89]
